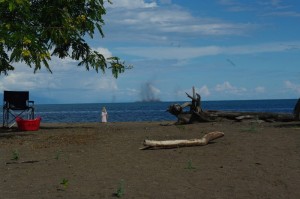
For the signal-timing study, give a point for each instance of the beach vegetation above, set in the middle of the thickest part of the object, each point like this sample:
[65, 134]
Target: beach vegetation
[120, 190]
[190, 165]
[32, 32]
[15, 155]
[64, 182]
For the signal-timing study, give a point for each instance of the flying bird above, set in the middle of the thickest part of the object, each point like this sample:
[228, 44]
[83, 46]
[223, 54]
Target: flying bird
[231, 62]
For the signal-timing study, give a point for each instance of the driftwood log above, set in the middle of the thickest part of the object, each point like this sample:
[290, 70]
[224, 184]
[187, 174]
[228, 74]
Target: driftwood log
[167, 144]
[197, 114]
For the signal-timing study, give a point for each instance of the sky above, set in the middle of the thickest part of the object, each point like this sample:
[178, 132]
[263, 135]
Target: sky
[226, 49]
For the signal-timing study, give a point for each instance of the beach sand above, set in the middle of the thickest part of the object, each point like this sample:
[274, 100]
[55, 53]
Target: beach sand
[94, 160]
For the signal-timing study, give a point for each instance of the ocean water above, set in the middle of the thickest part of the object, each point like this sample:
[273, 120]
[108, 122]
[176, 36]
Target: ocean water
[149, 111]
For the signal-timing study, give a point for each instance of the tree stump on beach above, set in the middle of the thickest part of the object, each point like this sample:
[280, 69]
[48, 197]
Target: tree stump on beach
[195, 114]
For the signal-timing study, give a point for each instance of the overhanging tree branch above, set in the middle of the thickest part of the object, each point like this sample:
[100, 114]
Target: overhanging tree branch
[31, 30]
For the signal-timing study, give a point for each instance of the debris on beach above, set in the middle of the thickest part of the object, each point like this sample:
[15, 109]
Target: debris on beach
[167, 144]
[196, 114]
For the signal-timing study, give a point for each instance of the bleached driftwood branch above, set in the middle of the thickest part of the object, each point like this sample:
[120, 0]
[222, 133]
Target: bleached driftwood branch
[166, 144]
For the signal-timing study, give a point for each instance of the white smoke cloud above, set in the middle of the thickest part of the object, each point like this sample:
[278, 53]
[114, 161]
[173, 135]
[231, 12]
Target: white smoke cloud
[149, 92]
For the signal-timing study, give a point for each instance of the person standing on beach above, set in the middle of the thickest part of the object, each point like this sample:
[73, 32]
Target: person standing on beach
[104, 115]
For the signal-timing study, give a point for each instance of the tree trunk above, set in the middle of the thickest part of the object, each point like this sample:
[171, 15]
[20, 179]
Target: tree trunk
[166, 144]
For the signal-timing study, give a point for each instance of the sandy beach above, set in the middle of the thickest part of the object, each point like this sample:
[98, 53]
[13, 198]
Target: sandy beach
[94, 160]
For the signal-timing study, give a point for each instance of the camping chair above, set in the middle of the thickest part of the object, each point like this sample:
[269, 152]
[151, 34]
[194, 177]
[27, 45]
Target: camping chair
[16, 104]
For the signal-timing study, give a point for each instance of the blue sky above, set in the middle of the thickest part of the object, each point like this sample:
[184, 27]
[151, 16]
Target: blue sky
[227, 49]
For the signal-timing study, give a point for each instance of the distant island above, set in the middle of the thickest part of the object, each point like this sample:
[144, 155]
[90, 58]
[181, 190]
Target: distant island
[150, 100]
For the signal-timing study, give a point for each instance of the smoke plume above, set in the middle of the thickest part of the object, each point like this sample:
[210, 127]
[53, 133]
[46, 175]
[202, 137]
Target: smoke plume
[149, 93]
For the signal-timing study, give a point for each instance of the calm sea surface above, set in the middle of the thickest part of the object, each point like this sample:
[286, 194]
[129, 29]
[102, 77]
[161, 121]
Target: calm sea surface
[149, 111]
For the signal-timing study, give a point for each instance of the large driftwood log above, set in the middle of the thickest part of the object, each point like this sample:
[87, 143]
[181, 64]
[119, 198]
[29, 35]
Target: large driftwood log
[166, 144]
[196, 114]
[239, 116]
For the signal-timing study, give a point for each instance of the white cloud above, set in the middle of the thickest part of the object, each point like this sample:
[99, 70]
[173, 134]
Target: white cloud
[275, 2]
[292, 86]
[194, 52]
[171, 21]
[236, 6]
[226, 2]
[228, 88]
[104, 51]
[21, 80]
[99, 84]
[283, 14]
[131, 91]
[171, 52]
[166, 1]
[131, 4]
[260, 89]
[203, 91]
[68, 64]
[68, 83]
[147, 19]
[268, 8]
[262, 48]
[208, 28]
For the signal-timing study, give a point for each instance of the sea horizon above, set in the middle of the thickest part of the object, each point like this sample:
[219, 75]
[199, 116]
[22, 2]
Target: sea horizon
[149, 111]
[166, 101]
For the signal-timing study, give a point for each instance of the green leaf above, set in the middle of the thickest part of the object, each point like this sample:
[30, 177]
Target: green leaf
[11, 6]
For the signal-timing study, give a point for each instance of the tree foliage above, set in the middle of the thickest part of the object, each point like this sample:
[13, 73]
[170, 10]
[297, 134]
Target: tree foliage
[33, 31]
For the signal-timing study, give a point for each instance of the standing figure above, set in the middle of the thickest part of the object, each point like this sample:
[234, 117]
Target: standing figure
[104, 115]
